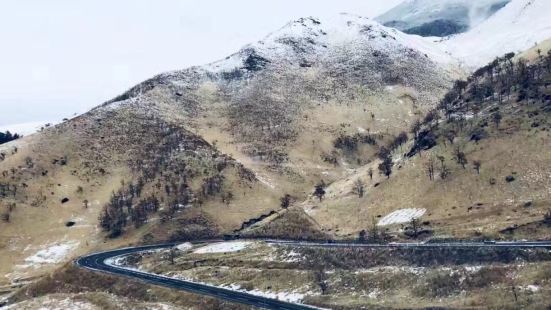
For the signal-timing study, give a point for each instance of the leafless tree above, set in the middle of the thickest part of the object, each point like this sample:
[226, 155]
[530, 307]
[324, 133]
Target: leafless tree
[285, 201]
[319, 191]
[430, 167]
[359, 187]
[460, 157]
[415, 128]
[477, 164]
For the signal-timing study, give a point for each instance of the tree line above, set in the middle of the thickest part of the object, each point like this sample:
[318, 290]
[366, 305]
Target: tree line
[7, 136]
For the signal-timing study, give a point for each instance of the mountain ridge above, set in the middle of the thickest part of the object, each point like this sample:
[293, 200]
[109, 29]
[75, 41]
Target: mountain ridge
[312, 106]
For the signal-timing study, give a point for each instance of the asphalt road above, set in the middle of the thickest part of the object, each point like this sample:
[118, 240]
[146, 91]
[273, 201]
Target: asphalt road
[489, 244]
[97, 262]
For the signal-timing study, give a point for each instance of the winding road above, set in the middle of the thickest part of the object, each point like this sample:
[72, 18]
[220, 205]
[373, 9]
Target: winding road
[99, 262]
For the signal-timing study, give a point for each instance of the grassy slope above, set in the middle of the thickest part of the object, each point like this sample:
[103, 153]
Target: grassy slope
[465, 204]
[374, 278]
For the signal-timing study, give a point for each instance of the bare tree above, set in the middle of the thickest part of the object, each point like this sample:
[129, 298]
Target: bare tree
[430, 167]
[359, 187]
[321, 279]
[476, 165]
[386, 167]
[172, 254]
[362, 236]
[415, 226]
[496, 118]
[450, 136]
[370, 173]
[547, 218]
[460, 157]
[444, 170]
[415, 128]
[319, 191]
[285, 201]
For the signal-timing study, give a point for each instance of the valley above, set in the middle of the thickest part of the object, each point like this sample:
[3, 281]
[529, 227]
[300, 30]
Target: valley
[327, 130]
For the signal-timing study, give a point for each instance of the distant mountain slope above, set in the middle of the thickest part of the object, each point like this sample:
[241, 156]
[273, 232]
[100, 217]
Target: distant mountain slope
[517, 27]
[440, 18]
[197, 152]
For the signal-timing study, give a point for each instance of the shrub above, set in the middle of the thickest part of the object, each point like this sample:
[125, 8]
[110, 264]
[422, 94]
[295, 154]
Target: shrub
[478, 134]
[439, 285]
[547, 218]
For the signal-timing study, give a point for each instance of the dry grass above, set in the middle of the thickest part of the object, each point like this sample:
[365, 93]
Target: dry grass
[72, 280]
[466, 204]
[287, 224]
[374, 279]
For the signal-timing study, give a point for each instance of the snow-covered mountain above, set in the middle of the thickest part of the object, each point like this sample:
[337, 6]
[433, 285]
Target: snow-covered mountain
[349, 48]
[440, 18]
[310, 38]
[520, 25]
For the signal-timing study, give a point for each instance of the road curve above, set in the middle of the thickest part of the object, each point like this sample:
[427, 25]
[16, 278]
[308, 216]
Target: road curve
[97, 262]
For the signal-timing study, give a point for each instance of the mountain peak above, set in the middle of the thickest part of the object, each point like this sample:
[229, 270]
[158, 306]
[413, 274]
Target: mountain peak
[309, 38]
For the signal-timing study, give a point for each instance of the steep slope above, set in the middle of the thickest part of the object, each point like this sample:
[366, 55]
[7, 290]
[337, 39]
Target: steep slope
[478, 167]
[440, 18]
[195, 153]
[305, 83]
[520, 25]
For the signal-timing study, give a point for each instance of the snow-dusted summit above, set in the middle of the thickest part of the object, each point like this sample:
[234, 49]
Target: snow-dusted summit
[344, 50]
[310, 39]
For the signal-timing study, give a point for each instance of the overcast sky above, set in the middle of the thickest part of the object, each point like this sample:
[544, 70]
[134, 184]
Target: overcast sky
[60, 57]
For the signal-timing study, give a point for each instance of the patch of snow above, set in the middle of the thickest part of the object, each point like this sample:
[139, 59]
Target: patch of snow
[401, 216]
[52, 254]
[224, 247]
[184, 246]
[374, 294]
[285, 296]
[292, 257]
[473, 269]
[532, 288]
[264, 180]
[392, 269]
[117, 261]
[293, 297]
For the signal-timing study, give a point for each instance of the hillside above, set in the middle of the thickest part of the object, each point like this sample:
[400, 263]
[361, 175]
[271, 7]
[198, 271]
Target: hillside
[475, 168]
[520, 25]
[325, 129]
[197, 152]
[440, 18]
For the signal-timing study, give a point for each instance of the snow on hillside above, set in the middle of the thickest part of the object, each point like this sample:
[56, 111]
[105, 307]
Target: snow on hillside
[52, 254]
[401, 216]
[355, 49]
[224, 247]
[462, 13]
[518, 26]
[309, 39]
